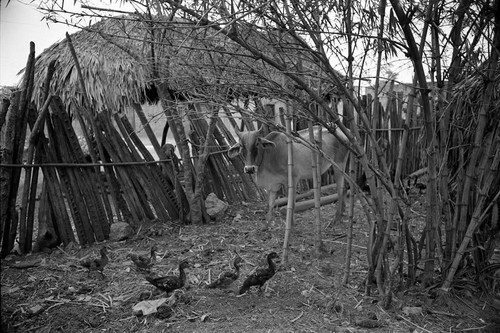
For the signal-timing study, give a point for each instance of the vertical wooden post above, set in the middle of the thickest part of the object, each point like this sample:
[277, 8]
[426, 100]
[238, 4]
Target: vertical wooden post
[291, 189]
[316, 189]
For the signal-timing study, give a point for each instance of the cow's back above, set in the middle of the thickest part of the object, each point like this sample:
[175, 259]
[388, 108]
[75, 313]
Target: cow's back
[330, 146]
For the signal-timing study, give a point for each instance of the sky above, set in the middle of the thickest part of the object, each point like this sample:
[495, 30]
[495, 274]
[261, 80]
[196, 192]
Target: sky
[21, 23]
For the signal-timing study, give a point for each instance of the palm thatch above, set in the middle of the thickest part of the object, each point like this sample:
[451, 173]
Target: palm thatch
[113, 77]
[122, 56]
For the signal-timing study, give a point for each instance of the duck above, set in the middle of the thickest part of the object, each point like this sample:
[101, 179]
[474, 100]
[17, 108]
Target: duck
[97, 264]
[227, 278]
[421, 186]
[261, 275]
[143, 262]
[171, 282]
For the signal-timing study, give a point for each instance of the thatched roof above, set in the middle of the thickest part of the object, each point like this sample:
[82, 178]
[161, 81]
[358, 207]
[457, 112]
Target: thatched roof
[113, 77]
[115, 55]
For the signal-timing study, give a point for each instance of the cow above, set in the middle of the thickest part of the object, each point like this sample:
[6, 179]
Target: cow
[267, 159]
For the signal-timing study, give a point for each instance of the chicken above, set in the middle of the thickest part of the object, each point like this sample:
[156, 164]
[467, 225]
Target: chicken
[97, 264]
[260, 276]
[227, 278]
[169, 283]
[144, 262]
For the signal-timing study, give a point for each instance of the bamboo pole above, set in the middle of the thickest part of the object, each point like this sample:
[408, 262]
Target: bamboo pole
[30, 218]
[19, 143]
[187, 163]
[214, 178]
[475, 219]
[7, 173]
[87, 215]
[67, 183]
[223, 170]
[84, 181]
[316, 190]
[28, 199]
[175, 203]
[55, 191]
[29, 191]
[432, 222]
[3, 111]
[291, 191]
[283, 201]
[89, 117]
[348, 252]
[478, 137]
[137, 184]
[24, 245]
[148, 183]
[198, 211]
[123, 179]
[308, 204]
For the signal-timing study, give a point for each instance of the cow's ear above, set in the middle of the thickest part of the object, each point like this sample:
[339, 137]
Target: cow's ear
[266, 144]
[235, 150]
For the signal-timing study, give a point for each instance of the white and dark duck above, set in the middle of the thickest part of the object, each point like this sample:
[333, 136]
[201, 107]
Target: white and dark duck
[171, 282]
[227, 278]
[261, 275]
[97, 264]
[144, 262]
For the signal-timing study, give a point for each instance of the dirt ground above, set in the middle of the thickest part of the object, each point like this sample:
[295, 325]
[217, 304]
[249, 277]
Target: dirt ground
[53, 293]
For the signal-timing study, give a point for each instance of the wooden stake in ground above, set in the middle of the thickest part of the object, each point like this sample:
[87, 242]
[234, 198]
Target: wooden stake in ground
[317, 189]
[291, 190]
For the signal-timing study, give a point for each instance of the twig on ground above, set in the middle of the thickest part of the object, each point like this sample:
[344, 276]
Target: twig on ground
[358, 304]
[478, 329]
[53, 306]
[442, 313]
[344, 243]
[412, 323]
[62, 250]
[26, 264]
[298, 317]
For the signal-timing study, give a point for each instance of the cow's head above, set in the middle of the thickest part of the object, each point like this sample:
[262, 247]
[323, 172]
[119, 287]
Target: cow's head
[252, 145]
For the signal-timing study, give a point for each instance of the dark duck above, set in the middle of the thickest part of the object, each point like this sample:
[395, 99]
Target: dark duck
[97, 264]
[171, 282]
[261, 275]
[144, 262]
[227, 278]
[421, 186]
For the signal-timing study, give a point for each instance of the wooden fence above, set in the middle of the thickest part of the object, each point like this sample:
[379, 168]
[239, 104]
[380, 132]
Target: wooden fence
[78, 200]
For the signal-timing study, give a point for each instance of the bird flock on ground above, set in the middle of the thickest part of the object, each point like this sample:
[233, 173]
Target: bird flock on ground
[144, 264]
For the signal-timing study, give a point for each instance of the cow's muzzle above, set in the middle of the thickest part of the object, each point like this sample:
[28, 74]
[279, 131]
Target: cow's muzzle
[250, 169]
